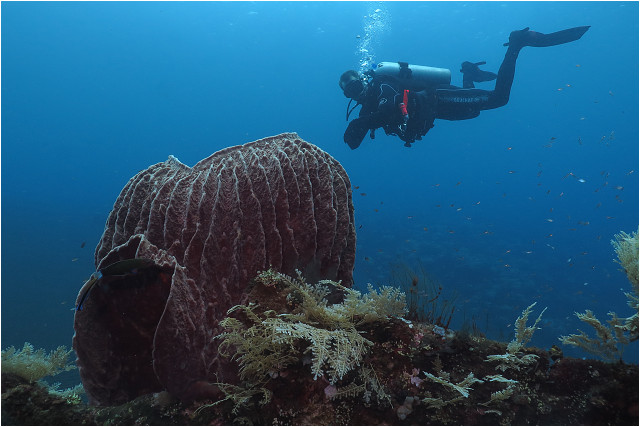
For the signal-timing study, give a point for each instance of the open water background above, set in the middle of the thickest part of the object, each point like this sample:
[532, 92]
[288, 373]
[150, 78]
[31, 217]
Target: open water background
[92, 93]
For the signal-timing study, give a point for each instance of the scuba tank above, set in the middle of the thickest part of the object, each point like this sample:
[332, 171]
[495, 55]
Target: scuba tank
[413, 77]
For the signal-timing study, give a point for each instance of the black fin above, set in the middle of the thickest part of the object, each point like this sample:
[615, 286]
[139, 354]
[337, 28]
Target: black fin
[472, 73]
[531, 38]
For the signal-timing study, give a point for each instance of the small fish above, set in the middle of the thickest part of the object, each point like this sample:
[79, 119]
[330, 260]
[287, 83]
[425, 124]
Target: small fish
[82, 244]
[74, 259]
[356, 187]
[360, 227]
[117, 269]
[363, 194]
[582, 180]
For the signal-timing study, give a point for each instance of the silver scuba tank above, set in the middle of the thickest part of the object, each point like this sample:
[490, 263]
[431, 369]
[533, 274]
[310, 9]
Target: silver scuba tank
[414, 77]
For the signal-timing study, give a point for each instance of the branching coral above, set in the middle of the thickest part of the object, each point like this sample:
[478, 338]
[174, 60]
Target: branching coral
[33, 365]
[610, 340]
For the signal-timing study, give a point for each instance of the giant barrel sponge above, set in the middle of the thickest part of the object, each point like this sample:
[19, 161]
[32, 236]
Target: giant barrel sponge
[277, 202]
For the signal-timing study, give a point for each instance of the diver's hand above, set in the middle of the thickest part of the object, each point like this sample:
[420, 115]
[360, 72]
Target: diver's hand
[356, 131]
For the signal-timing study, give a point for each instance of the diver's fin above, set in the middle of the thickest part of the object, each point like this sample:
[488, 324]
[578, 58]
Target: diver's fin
[525, 37]
[472, 73]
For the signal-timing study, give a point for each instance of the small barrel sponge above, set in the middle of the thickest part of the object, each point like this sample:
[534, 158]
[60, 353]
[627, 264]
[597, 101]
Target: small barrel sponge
[277, 202]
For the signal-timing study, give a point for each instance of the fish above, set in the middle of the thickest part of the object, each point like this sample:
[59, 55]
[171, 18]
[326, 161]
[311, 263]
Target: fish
[116, 270]
[82, 244]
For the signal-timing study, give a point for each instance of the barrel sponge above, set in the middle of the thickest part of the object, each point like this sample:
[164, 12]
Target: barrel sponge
[278, 202]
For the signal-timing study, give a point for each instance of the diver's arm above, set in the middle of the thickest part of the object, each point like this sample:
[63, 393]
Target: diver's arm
[380, 110]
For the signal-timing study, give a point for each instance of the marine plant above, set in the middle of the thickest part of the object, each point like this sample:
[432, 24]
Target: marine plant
[425, 300]
[264, 342]
[34, 365]
[610, 340]
[514, 358]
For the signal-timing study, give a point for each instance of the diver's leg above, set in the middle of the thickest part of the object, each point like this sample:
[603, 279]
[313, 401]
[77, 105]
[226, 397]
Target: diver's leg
[500, 94]
[518, 40]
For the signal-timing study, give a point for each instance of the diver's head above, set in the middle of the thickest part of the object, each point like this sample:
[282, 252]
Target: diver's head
[352, 84]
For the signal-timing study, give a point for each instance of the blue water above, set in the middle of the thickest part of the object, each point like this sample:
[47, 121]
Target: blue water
[493, 208]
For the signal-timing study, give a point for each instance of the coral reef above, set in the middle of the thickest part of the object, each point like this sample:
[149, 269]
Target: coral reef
[278, 201]
[407, 373]
[610, 340]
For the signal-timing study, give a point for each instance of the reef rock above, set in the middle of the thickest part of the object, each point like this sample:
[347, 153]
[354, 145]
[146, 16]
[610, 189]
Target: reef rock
[277, 202]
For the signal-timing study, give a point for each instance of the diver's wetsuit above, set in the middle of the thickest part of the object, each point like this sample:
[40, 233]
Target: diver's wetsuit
[382, 99]
[381, 105]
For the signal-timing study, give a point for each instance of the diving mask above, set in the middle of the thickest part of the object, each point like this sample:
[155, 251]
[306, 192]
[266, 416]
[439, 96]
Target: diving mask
[354, 89]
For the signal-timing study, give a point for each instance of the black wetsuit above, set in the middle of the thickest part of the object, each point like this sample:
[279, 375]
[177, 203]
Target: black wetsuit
[381, 105]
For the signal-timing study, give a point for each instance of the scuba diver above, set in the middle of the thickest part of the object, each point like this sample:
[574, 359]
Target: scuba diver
[405, 99]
